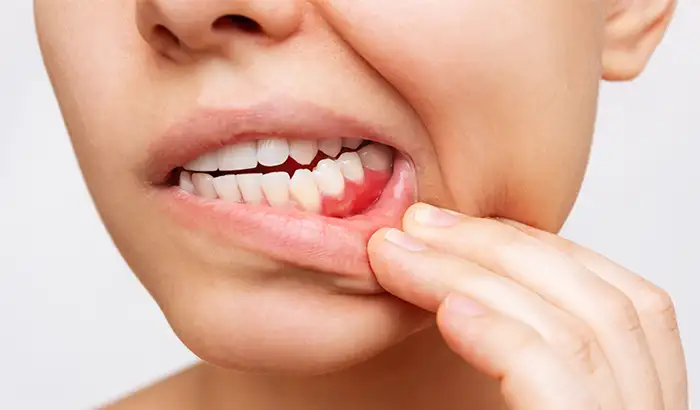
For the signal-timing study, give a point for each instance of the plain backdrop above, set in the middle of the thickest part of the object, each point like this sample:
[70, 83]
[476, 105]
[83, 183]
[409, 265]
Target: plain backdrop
[76, 328]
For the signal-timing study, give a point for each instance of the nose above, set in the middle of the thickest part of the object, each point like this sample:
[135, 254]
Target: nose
[208, 25]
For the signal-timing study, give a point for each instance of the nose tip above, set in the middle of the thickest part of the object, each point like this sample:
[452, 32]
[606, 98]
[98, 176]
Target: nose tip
[204, 25]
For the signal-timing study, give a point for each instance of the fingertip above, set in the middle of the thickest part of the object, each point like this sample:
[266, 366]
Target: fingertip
[409, 217]
[377, 240]
[462, 306]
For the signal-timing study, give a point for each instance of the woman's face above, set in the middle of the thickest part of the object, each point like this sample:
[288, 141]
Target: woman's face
[487, 106]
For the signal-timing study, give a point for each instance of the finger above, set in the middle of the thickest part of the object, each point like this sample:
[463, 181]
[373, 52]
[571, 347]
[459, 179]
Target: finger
[656, 313]
[422, 276]
[532, 375]
[558, 279]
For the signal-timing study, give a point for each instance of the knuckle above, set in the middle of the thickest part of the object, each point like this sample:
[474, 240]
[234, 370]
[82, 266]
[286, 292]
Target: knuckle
[579, 344]
[620, 312]
[656, 302]
[507, 235]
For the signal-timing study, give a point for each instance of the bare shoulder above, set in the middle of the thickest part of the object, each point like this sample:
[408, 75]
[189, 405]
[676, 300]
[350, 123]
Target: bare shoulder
[178, 392]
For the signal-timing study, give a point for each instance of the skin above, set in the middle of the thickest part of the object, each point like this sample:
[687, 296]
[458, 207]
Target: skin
[493, 101]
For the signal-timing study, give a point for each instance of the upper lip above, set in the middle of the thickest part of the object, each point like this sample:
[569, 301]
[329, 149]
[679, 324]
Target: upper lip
[208, 129]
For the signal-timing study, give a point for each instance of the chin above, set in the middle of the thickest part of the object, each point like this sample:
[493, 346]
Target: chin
[288, 329]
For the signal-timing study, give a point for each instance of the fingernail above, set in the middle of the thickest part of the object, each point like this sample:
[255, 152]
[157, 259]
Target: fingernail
[429, 215]
[463, 306]
[404, 241]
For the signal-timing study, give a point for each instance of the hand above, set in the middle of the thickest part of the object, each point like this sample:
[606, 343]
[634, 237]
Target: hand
[559, 325]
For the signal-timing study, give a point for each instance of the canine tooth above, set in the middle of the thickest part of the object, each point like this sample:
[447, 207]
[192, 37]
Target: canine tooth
[251, 189]
[352, 143]
[204, 163]
[303, 151]
[331, 146]
[304, 191]
[376, 157]
[329, 178]
[204, 185]
[238, 157]
[351, 166]
[186, 182]
[273, 151]
[275, 185]
[227, 188]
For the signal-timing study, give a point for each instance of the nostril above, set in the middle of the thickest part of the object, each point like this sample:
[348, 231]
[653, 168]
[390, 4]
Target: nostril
[238, 22]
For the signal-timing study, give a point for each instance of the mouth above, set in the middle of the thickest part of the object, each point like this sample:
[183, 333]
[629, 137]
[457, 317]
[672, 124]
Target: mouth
[298, 184]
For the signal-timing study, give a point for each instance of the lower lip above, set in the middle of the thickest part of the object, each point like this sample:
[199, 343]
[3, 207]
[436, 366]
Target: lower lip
[330, 245]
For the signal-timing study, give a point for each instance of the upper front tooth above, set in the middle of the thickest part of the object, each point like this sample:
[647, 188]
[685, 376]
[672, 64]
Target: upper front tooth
[251, 189]
[204, 163]
[204, 185]
[238, 157]
[273, 151]
[329, 178]
[275, 185]
[303, 151]
[352, 143]
[351, 166]
[376, 157]
[331, 146]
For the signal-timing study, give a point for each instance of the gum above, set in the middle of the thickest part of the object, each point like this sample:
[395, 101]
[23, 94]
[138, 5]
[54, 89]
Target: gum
[358, 197]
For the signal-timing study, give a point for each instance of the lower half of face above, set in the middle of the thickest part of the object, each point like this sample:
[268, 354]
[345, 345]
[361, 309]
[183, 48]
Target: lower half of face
[241, 158]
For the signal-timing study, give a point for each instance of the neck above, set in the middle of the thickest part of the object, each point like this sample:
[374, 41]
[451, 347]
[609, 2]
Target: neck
[421, 373]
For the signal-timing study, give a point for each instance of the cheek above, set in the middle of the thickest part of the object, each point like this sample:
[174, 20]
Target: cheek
[506, 88]
[92, 54]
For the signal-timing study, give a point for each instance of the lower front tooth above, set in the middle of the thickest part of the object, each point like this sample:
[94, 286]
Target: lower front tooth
[186, 182]
[251, 189]
[329, 178]
[204, 185]
[275, 185]
[227, 188]
[304, 191]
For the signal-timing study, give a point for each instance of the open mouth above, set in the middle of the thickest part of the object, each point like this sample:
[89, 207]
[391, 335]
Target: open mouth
[335, 177]
[294, 183]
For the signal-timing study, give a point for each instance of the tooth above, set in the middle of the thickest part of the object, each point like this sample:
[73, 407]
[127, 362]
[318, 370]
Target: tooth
[204, 163]
[331, 146]
[273, 151]
[303, 151]
[275, 185]
[376, 157]
[227, 188]
[329, 178]
[204, 186]
[186, 182]
[352, 143]
[351, 166]
[304, 191]
[238, 157]
[250, 188]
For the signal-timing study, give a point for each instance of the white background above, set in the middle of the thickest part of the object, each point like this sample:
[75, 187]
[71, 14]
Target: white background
[76, 329]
